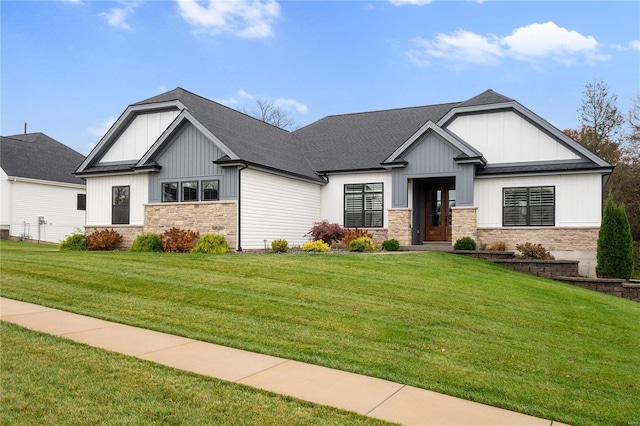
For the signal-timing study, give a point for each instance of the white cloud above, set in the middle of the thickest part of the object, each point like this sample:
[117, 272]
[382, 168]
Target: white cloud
[100, 129]
[228, 101]
[117, 16]
[634, 45]
[533, 43]
[161, 89]
[290, 103]
[415, 2]
[243, 18]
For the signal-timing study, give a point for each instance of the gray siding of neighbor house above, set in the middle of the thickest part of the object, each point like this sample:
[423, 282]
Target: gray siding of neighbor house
[432, 157]
[190, 156]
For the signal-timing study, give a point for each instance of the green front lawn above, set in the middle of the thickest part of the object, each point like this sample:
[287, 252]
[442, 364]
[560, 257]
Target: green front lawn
[451, 324]
[52, 381]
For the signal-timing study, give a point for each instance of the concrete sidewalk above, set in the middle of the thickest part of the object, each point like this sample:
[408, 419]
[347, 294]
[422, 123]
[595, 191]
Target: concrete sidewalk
[362, 394]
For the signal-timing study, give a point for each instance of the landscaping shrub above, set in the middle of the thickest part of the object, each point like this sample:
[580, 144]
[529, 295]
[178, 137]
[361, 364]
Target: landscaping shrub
[499, 245]
[615, 244]
[534, 251]
[212, 244]
[280, 246]
[74, 242]
[465, 243]
[147, 243]
[353, 233]
[107, 239]
[179, 240]
[327, 232]
[362, 244]
[317, 245]
[390, 245]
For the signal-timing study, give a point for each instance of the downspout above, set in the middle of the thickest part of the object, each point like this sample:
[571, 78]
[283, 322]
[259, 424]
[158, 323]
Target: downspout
[239, 206]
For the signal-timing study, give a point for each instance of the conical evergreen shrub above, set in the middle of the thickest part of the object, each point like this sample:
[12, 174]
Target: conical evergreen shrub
[615, 244]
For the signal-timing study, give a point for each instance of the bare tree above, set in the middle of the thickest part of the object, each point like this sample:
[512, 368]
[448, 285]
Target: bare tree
[273, 114]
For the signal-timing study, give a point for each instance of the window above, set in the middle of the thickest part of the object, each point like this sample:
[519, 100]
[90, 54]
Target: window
[170, 192]
[209, 190]
[81, 202]
[363, 206]
[190, 191]
[120, 205]
[533, 206]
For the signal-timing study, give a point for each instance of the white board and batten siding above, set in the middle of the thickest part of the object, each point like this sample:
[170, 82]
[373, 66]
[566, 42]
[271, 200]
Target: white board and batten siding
[276, 207]
[56, 202]
[577, 197]
[333, 194]
[139, 135]
[506, 137]
[99, 193]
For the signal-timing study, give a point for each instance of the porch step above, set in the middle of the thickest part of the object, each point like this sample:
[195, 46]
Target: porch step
[430, 246]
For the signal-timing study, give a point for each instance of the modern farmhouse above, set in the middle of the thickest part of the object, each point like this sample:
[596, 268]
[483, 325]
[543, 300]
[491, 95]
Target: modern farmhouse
[487, 168]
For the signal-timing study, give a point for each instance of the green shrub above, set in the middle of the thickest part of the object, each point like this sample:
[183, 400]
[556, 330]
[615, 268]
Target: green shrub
[179, 240]
[317, 245]
[465, 243]
[74, 242]
[147, 243]
[280, 246]
[391, 245]
[615, 244]
[534, 251]
[327, 232]
[362, 244]
[212, 244]
[107, 239]
[353, 233]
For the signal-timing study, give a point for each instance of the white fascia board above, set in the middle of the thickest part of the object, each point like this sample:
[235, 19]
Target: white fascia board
[125, 118]
[548, 173]
[185, 115]
[46, 182]
[446, 135]
[544, 124]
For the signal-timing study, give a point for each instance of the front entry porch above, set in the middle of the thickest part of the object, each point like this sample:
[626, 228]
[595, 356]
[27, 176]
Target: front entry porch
[433, 200]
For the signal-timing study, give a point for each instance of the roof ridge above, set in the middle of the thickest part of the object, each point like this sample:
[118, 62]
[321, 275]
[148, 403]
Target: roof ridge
[392, 109]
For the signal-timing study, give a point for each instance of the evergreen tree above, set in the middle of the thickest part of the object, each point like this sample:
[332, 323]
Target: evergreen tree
[615, 245]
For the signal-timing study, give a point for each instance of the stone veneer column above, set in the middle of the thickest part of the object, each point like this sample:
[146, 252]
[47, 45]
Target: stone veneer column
[464, 223]
[400, 225]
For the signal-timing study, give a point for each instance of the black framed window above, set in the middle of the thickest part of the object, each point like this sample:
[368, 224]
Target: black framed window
[363, 205]
[529, 206]
[210, 190]
[120, 205]
[170, 192]
[189, 190]
[81, 202]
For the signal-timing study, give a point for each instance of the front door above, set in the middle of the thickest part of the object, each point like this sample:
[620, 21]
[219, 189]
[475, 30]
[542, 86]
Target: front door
[439, 198]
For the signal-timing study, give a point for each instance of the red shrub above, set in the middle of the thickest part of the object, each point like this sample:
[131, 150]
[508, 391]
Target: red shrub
[107, 239]
[327, 232]
[179, 240]
[353, 234]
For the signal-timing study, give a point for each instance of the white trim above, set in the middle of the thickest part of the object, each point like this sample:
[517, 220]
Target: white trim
[46, 182]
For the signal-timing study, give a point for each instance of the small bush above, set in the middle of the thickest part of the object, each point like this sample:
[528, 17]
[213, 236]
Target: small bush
[391, 245]
[465, 243]
[362, 244]
[212, 244]
[317, 245]
[280, 246]
[179, 240]
[107, 239]
[352, 234]
[534, 251]
[74, 242]
[499, 245]
[327, 232]
[615, 243]
[147, 243]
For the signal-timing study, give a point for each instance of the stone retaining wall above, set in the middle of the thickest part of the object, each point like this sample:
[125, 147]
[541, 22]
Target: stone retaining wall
[612, 286]
[542, 268]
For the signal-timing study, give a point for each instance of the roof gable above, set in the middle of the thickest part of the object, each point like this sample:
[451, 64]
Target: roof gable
[38, 156]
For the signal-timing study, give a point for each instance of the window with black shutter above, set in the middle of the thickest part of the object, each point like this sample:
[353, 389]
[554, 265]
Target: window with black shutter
[363, 205]
[528, 206]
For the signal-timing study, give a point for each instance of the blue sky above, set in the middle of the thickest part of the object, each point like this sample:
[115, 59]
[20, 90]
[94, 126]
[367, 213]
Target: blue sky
[69, 68]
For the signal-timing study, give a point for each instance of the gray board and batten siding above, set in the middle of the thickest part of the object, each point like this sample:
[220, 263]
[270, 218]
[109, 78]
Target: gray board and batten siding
[189, 157]
[433, 157]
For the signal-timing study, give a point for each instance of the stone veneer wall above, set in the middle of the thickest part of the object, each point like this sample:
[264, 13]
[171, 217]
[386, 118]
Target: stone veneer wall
[400, 225]
[551, 238]
[215, 217]
[612, 286]
[128, 232]
[378, 235]
[464, 223]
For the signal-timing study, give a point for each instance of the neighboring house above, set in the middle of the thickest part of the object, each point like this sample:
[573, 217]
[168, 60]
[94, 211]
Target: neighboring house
[487, 168]
[40, 198]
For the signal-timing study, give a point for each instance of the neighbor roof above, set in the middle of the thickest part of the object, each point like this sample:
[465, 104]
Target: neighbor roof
[37, 156]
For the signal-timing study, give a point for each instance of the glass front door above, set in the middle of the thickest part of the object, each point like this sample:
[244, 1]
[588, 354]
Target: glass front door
[439, 200]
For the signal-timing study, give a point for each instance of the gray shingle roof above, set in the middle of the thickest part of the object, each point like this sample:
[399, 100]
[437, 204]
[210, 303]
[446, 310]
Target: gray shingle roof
[37, 156]
[487, 97]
